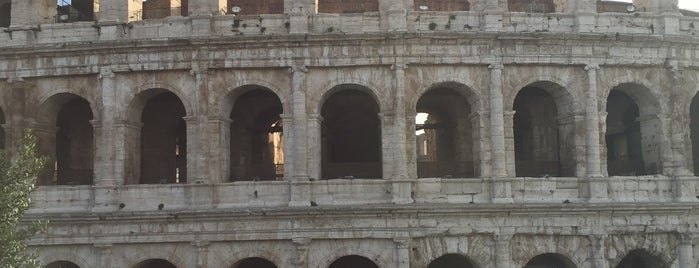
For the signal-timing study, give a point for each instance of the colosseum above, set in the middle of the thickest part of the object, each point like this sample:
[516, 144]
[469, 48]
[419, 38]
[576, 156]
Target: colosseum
[357, 133]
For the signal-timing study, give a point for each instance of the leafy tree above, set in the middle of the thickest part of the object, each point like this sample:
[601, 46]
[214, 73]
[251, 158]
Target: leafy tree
[17, 181]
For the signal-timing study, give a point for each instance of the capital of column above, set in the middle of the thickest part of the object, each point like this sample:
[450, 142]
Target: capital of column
[592, 66]
[399, 66]
[315, 117]
[496, 66]
[286, 117]
[299, 68]
[96, 123]
[106, 73]
[221, 119]
[128, 124]
[402, 242]
[301, 241]
[193, 119]
[201, 245]
[199, 70]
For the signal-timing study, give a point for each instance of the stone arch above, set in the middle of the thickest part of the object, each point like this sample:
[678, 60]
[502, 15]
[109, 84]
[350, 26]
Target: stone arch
[61, 264]
[633, 117]
[136, 103]
[642, 258]
[474, 97]
[62, 255]
[556, 260]
[255, 135]
[452, 260]
[544, 128]
[446, 140]
[245, 253]
[231, 94]
[155, 263]
[565, 99]
[351, 139]
[342, 84]
[65, 133]
[254, 262]
[156, 138]
[348, 261]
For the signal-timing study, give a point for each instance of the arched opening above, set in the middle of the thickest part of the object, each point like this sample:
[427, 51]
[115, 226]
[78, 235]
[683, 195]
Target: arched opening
[344, 6]
[694, 132]
[641, 259]
[254, 262]
[350, 136]
[155, 263]
[451, 261]
[444, 135]
[256, 7]
[543, 132]
[531, 6]
[62, 264]
[353, 261]
[74, 144]
[65, 134]
[163, 140]
[256, 137]
[5, 13]
[76, 10]
[550, 260]
[443, 5]
[633, 132]
[158, 9]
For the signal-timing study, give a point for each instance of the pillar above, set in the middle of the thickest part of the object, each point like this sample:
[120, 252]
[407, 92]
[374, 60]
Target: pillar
[207, 7]
[299, 12]
[31, 13]
[402, 187]
[302, 245]
[202, 253]
[288, 145]
[402, 252]
[493, 15]
[685, 251]
[481, 143]
[502, 250]
[104, 134]
[597, 247]
[585, 12]
[219, 142]
[597, 187]
[104, 252]
[501, 189]
[393, 15]
[315, 157]
[302, 137]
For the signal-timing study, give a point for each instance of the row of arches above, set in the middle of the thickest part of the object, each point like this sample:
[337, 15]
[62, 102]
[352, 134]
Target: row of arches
[635, 259]
[544, 124]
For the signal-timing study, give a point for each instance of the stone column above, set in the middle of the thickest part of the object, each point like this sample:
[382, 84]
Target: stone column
[104, 132]
[302, 245]
[401, 186]
[288, 145]
[501, 191]
[508, 119]
[585, 11]
[393, 14]
[402, 253]
[493, 14]
[196, 166]
[112, 11]
[302, 138]
[598, 251]
[480, 122]
[315, 157]
[31, 13]
[46, 144]
[592, 134]
[105, 255]
[127, 164]
[202, 253]
[220, 148]
[685, 251]
[299, 11]
[502, 250]
[597, 186]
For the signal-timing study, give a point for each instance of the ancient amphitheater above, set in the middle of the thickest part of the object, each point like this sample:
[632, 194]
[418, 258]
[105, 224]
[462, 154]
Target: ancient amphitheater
[358, 134]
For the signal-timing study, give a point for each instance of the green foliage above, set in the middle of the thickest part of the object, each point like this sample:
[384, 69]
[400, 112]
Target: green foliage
[17, 181]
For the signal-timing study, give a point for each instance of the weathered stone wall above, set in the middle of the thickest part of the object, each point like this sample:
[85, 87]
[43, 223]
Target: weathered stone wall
[394, 218]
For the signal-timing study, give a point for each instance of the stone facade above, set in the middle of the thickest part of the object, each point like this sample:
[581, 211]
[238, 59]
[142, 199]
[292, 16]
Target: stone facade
[559, 138]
